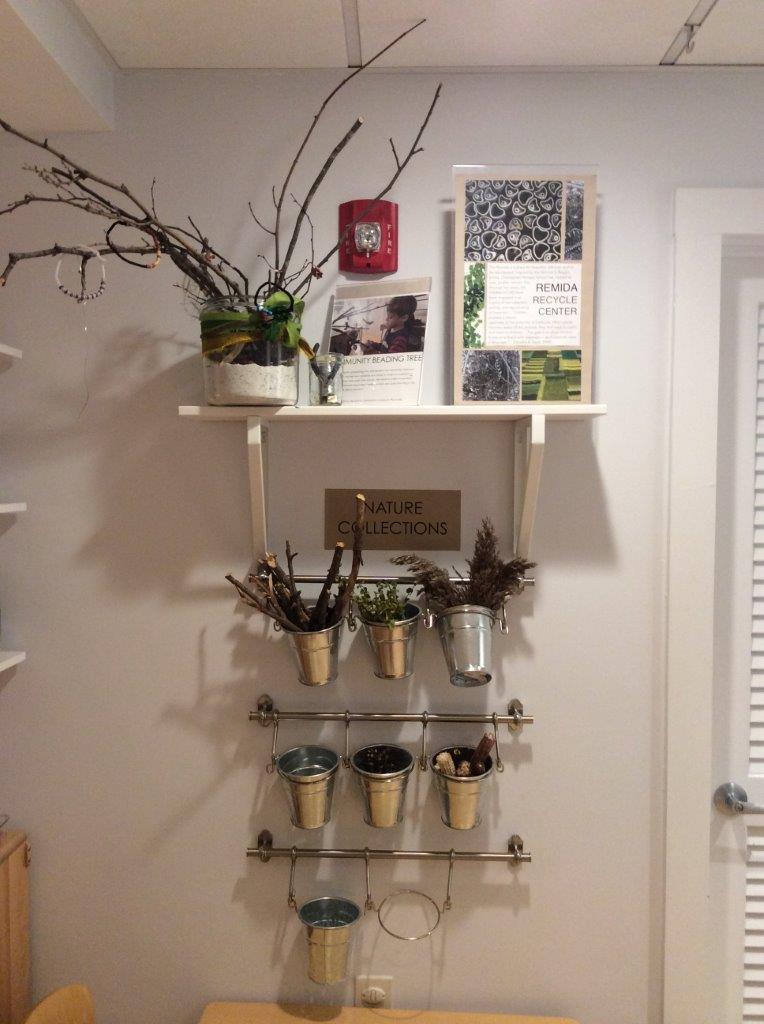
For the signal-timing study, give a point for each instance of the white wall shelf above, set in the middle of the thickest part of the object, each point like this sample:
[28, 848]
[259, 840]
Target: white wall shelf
[529, 427]
[427, 413]
[9, 659]
[12, 508]
[9, 352]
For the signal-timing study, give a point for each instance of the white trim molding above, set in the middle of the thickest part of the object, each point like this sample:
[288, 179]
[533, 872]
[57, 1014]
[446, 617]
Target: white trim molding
[704, 221]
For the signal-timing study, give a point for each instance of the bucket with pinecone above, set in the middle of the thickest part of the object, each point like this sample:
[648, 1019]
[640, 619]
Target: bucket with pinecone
[460, 775]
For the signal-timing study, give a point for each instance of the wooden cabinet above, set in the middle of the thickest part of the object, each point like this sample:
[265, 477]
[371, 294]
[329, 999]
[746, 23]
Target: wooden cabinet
[14, 927]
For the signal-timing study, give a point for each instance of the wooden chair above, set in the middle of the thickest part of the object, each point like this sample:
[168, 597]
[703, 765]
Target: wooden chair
[70, 1005]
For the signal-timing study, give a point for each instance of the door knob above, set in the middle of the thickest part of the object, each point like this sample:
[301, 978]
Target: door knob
[730, 798]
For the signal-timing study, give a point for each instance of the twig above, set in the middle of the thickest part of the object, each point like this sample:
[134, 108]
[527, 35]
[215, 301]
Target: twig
[318, 616]
[248, 597]
[284, 267]
[86, 252]
[278, 203]
[400, 166]
[342, 604]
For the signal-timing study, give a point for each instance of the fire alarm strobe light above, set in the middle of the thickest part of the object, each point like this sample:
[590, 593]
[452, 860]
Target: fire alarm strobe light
[369, 232]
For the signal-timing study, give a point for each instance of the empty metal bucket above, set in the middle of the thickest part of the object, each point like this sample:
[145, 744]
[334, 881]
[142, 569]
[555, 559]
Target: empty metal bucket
[382, 771]
[316, 654]
[393, 646]
[460, 796]
[307, 774]
[465, 635]
[328, 922]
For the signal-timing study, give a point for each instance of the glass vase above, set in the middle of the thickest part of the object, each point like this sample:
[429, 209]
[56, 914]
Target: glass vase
[249, 353]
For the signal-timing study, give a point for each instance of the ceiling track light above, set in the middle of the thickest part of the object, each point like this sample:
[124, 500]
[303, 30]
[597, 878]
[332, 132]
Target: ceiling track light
[684, 41]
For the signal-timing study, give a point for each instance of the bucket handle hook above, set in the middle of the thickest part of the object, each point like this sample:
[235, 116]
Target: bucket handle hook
[447, 904]
[428, 618]
[499, 762]
[291, 898]
[503, 618]
[423, 754]
[346, 757]
[271, 767]
[369, 904]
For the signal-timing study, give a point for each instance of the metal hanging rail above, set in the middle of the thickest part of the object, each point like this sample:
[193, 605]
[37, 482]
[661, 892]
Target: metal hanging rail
[266, 714]
[265, 850]
[402, 581]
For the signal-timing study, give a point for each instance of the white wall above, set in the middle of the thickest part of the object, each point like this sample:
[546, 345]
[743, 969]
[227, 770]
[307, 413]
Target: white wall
[124, 743]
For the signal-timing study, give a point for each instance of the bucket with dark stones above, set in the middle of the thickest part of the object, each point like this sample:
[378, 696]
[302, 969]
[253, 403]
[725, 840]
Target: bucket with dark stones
[383, 772]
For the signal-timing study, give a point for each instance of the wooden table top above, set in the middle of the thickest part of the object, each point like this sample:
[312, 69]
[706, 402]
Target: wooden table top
[290, 1013]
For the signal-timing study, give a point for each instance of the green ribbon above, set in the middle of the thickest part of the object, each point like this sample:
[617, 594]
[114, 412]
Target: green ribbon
[277, 321]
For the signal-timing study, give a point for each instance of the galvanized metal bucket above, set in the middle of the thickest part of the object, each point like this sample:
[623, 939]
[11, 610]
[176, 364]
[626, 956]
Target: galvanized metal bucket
[465, 635]
[393, 646]
[316, 654]
[328, 924]
[460, 796]
[383, 772]
[307, 774]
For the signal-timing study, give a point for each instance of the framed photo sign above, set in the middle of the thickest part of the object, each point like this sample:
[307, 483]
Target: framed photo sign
[523, 285]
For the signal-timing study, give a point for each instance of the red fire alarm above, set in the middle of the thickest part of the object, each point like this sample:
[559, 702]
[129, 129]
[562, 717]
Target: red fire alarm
[369, 232]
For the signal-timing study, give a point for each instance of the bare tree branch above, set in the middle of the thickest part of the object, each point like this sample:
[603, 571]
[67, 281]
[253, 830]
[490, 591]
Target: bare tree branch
[400, 166]
[284, 267]
[85, 252]
[259, 223]
[279, 203]
[71, 180]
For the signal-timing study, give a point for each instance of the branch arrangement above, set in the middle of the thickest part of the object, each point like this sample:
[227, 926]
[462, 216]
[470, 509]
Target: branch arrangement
[274, 592]
[146, 237]
[490, 581]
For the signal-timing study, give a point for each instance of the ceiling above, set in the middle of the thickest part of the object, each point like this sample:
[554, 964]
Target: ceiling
[60, 60]
[459, 34]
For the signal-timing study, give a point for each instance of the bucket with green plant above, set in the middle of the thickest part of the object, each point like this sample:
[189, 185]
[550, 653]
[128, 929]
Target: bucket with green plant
[390, 622]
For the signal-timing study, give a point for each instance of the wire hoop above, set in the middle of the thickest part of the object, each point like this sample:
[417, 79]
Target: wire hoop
[408, 892]
[83, 296]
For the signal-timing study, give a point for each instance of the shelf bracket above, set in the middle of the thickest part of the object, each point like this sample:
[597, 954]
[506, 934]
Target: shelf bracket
[258, 491]
[530, 437]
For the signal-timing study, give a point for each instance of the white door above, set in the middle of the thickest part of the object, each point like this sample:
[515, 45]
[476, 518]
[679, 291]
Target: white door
[714, 895]
[737, 837]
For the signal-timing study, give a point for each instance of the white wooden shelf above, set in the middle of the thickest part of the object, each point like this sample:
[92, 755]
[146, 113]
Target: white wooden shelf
[528, 420]
[12, 508]
[435, 413]
[9, 659]
[9, 352]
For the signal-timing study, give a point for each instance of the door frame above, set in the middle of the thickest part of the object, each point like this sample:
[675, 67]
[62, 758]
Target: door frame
[706, 220]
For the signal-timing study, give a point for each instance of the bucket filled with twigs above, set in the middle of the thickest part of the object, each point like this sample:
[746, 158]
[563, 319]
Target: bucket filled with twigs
[390, 623]
[466, 608]
[314, 629]
[460, 775]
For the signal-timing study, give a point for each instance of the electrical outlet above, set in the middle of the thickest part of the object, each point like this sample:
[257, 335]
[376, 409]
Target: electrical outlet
[373, 990]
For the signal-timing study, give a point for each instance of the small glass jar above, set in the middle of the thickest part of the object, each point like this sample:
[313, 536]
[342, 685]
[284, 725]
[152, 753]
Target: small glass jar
[242, 361]
[326, 379]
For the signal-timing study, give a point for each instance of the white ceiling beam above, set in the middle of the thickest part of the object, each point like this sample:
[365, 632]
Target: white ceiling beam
[56, 75]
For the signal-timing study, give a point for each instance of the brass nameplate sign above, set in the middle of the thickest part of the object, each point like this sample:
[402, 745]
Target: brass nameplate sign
[396, 520]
